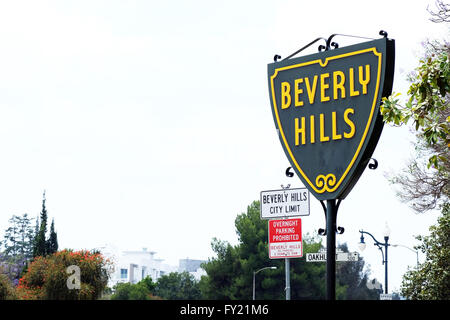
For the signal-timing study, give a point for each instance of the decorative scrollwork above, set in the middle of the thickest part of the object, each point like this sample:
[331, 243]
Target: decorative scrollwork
[289, 173]
[325, 183]
[338, 230]
[383, 33]
[373, 165]
[329, 44]
[323, 231]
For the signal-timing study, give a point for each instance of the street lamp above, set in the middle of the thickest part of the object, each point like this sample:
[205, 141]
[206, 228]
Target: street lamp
[386, 234]
[415, 251]
[254, 274]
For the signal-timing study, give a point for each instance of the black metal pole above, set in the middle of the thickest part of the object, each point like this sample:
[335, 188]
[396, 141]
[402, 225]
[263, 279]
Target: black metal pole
[386, 264]
[331, 249]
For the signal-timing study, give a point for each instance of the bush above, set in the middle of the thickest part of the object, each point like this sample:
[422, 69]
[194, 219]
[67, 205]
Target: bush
[143, 290]
[6, 288]
[50, 278]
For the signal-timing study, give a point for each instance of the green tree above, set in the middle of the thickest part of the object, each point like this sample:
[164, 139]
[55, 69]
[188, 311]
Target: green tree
[425, 183]
[308, 280]
[52, 242]
[177, 286]
[143, 290]
[230, 273]
[18, 238]
[427, 105]
[219, 282]
[7, 291]
[17, 247]
[253, 251]
[122, 291]
[40, 243]
[431, 280]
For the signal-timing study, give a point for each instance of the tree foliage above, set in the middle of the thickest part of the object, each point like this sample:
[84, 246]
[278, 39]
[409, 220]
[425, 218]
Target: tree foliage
[52, 242]
[17, 247]
[230, 273]
[143, 290]
[426, 184]
[21, 243]
[47, 277]
[7, 291]
[174, 286]
[177, 286]
[428, 101]
[431, 281]
[18, 237]
[42, 245]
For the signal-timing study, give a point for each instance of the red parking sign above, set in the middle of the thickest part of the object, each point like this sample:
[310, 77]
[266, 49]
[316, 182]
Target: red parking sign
[285, 238]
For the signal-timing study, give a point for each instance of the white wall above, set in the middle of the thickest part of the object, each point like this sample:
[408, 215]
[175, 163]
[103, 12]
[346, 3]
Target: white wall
[139, 264]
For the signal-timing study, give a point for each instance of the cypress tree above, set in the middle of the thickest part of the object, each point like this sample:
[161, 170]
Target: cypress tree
[40, 245]
[52, 242]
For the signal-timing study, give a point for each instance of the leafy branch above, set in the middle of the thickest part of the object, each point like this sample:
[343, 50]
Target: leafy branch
[428, 105]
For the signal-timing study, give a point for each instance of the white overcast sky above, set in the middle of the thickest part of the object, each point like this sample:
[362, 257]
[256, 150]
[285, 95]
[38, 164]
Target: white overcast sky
[148, 123]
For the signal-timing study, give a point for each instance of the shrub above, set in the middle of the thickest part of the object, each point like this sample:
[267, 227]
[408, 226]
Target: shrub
[48, 278]
[143, 290]
[6, 288]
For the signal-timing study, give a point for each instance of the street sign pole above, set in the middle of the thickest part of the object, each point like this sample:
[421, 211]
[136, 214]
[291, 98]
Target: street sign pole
[331, 249]
[287, 268]
[288, 279]
[285, 241]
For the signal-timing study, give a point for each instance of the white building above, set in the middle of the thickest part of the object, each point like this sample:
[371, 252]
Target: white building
[133, 266]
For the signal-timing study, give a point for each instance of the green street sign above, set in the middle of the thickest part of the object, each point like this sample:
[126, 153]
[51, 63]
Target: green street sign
[326, 110]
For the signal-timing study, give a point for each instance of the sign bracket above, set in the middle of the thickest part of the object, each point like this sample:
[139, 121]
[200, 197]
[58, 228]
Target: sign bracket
[339, 230]
[328, 43]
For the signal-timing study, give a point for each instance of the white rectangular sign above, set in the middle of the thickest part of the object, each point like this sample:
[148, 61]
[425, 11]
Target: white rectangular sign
[385, 296]
[316, 257]
[277, 204]
[347, 256]
[340, 256]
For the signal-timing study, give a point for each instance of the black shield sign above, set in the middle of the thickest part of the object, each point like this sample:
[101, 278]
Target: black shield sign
[326, 110]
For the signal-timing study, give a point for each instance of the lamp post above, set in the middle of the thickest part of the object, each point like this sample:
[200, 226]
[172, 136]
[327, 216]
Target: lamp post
[415, 251]
[386, 234]
[254, 274]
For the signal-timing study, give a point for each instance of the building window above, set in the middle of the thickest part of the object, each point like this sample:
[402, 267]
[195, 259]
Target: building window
[123, 273]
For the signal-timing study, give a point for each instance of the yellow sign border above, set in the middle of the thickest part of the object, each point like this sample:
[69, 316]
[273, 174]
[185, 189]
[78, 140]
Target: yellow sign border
[327, 182]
